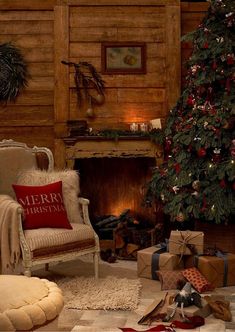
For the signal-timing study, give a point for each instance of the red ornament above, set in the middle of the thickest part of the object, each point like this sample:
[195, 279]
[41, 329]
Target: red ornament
[190, 101]
[163, 172]
[168, 143]
[222, 184]
[204, 204]
[190, 147]
[205, 45]
[228, 85]
[214, 65]
[201, 152]
[216, 158]
[177, 168]
[232, 149]
[230, 60]
[217, 132]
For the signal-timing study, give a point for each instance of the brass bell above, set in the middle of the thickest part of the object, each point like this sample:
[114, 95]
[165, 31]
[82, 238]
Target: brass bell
[99, 99]
[90, 112]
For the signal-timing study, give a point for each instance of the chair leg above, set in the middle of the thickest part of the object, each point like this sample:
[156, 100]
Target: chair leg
[27, 272]
[96, 264]
[47, 267]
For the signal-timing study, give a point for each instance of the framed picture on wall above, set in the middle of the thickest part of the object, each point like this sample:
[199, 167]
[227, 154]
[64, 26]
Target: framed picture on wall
[123, 58]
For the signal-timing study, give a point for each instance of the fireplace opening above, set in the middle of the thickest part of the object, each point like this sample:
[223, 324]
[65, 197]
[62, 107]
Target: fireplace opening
[115, 184]
[116, 188]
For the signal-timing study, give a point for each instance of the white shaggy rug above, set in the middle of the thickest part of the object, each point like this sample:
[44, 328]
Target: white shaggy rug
[110, 293]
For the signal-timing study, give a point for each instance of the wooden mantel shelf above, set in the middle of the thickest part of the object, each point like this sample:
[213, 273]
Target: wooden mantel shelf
[103, 147]
[72, 140]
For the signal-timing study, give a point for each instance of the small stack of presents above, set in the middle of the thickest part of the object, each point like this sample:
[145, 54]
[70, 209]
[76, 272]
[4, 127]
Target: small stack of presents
[183, 258]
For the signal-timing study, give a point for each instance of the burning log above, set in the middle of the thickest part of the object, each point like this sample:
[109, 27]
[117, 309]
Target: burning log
[128, 234]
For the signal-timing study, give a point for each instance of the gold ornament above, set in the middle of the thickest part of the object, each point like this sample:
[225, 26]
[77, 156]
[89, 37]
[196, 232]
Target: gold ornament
[162, 197]
[226, 124]
[180, 217]
[196, 185]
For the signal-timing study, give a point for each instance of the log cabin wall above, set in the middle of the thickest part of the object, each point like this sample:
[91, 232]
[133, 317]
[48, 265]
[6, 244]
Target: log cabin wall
[29, 25]
[48, 31]
[128, 98]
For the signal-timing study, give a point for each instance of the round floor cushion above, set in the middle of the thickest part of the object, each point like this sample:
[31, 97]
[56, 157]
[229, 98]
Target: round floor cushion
[27, 302]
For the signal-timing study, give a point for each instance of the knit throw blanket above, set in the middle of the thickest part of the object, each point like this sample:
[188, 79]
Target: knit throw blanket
[9, 233]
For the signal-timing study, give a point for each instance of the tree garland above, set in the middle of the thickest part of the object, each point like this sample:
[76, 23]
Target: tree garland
[13, 72]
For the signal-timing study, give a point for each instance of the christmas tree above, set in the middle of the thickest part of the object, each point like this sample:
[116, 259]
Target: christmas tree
[196, 179]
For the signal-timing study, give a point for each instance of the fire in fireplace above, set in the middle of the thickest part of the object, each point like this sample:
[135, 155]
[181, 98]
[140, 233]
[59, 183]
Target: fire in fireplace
[116, 189]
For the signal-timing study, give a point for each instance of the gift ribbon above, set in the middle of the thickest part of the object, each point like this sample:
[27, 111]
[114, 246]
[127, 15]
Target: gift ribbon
[156, 258]
[185, 242]
[219, 254]
[192, 323]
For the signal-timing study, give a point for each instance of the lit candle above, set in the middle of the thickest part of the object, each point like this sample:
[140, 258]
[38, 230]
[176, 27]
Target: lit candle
[134, 126]
[143, 127]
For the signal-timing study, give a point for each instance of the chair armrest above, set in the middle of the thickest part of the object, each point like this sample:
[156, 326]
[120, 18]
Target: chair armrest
[83, 201]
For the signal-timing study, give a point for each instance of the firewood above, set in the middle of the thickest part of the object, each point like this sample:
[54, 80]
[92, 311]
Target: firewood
[106, 221]
[119, 242]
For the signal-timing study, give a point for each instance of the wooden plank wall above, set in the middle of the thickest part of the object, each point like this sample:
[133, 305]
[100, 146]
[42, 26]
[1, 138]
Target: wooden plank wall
[52, 30]
[128, 98]
[29, 25]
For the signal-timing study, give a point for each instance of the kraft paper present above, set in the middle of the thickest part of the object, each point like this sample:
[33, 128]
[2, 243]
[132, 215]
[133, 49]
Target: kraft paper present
[191, 311]
[180, 242]
[150, 259]
[219, 271]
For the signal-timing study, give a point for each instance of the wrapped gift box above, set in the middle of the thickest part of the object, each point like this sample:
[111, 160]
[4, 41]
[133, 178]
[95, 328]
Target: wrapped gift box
[151, 259]
[191, 311]
[219, 271]
[181, 241]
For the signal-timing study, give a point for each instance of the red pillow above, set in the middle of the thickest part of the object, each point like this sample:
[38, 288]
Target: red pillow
[43, 206]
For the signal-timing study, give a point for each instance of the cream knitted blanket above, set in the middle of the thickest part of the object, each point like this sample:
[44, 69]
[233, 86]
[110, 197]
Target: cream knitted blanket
[9, 233]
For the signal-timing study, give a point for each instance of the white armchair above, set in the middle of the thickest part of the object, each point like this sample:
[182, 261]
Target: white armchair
[19, 164]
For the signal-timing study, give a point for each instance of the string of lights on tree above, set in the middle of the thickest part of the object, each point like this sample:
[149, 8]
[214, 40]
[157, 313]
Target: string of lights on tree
[196, 180]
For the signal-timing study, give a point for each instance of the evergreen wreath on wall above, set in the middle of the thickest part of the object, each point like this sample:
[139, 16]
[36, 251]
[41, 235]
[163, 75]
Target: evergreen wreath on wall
[13, 72]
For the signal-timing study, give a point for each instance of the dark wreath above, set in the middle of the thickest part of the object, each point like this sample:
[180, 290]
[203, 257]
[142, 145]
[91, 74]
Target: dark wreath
[13, 72]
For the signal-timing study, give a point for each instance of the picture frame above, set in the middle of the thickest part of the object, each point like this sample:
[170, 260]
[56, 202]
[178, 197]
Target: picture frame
[123, 58]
